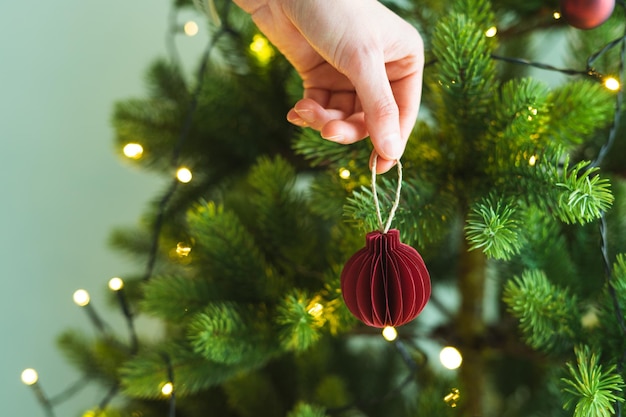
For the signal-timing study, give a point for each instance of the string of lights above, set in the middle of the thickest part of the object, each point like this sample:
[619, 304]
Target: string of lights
[450, 357]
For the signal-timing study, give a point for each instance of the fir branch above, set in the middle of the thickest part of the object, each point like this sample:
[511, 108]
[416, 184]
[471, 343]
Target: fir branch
[307, 410]
[493, 226]
[584, 196]
[577, 110]
[232, 334]
[144, 375]
[547, 314]
[176, 298]
[592, 391]
[301, 317]
[98, 359]
[228, 254]
[321, 152]
[424, 215]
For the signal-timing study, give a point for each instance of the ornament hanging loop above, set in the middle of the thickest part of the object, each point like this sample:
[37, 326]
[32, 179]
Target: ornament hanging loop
[384, 227]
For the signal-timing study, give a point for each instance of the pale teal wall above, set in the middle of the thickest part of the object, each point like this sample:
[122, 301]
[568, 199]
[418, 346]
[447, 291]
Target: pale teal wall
[62, 65]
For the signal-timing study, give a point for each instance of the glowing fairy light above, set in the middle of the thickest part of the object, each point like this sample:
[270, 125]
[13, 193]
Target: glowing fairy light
[612, 83]
[452, 397]
[116, 284]
[29, 376]
[491, 32]
[191, 28]
[182, 249]
[81, 298]
[316, 310]
[556, 15]
[532, 160]
[184, 175]
[133, 150]
[450, 357]
[390, 333]
[344, 173]
[167, 389]
[262, 49]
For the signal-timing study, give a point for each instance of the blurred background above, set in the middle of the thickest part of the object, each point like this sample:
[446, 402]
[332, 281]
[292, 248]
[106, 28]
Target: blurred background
[64, 187]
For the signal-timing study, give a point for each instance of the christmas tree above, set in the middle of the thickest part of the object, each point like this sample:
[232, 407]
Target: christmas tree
[513, 192]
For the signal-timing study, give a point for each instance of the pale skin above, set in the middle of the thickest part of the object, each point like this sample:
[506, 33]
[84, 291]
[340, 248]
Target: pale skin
[361, 66]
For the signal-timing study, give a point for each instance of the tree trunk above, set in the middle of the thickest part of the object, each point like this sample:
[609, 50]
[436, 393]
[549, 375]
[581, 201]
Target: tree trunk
[471, 328]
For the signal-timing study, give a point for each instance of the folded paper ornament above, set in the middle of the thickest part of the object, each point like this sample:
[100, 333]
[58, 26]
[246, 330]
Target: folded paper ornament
[386, 283]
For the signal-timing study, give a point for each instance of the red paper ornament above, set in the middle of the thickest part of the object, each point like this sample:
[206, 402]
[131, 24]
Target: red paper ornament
[587, 14]
[386, 283]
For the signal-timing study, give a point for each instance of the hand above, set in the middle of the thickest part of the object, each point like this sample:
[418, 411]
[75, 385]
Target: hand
[361, 67]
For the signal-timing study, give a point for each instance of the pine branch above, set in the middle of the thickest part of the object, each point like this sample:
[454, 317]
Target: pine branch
[301, 317]
[144, 375]
[175, 298]
[494, 226]
[232, 334]
[547, 314]
[593, 391]
[307, 410]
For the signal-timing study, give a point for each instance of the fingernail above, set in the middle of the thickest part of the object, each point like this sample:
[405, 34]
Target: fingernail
[335, 138]
[305, 114]
[391, 149]
[297, 121]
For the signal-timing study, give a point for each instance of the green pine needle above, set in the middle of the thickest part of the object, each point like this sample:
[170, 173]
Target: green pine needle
[593, 391]
[307, 410]
[584, 194]
[231, 334]
[300, 317]
[494, 228]
[547, 314]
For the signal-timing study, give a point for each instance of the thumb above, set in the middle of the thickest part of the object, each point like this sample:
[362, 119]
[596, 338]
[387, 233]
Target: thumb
[382, 116]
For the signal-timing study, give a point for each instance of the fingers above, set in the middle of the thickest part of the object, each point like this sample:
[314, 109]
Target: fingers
[333, 124]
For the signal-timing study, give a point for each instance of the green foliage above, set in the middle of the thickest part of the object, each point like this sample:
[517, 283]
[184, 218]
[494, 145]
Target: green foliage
[584, 195]
[300, 317]
[250, 392]
[593, 391]
[227, 251]
[144, 375]
[231, 334]
[494, 227]
[577, 110]
[97, 359]
[307, 410]
[548, 316]
[185, 296]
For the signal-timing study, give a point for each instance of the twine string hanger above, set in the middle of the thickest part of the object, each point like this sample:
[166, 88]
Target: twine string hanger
[384, 227]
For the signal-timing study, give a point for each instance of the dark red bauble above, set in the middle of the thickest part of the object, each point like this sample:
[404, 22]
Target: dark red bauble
[386, 283]
[587, 14]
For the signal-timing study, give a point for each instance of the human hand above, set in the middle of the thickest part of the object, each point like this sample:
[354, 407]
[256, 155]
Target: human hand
[361, 67]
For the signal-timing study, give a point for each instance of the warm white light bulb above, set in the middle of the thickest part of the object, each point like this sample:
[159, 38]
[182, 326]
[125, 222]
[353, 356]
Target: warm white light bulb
[81, 298]
[491, 32]
[29, 376]
[183, 249]
[450, 357]
[390, 333]
[184, 175]
[611, 83]
[532, 160]
[344, 173]
[116, 284]
[316, 310]
[167, 388]
[191, 28]
[133, 150]
[556, 15]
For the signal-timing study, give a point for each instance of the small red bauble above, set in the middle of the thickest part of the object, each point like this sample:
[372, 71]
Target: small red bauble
[386, 283]
[587, 14]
